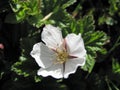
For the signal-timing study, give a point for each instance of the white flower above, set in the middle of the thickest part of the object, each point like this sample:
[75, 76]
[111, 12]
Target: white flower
[58, 57]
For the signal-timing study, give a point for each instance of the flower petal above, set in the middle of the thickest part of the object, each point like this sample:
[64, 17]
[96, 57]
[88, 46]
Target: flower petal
[52, 36]
[72, 64]
[75, 45]
[43, 55]
[56, 71]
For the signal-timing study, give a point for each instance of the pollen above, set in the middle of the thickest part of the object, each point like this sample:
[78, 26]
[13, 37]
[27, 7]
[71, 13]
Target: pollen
[61, 56]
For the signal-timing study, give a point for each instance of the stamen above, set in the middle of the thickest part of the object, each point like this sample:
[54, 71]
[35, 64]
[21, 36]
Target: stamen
[61, 53]
[61, 56]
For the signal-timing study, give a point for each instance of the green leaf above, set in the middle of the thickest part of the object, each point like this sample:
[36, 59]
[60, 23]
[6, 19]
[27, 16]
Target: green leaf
[90, 61]
[20, 15]
[36, 20]
[68, 3]
[106, 20]
[63, 19]
[115, 66]
[84, 25]
[114, 6]
[87, 25]
[23, 9]
[53, 4]
[15, 68]
[94, 41]
[37, 78]
[34, 7]
[35, 12]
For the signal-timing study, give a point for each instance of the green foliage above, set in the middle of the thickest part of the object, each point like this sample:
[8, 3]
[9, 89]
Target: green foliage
[116, 66]
[94, 40]
[114, 6]
[17, 70]
[35, 12]
[23, 10]
[107, 20]
[90, 62]
[51, 15]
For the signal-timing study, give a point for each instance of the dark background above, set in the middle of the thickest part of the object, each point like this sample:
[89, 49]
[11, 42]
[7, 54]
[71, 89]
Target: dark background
[10, 35]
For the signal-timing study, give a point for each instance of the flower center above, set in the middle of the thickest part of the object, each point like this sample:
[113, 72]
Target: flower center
[62, 56]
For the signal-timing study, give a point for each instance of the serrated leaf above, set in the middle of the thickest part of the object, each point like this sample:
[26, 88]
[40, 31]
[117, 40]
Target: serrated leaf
[34, 7]
[87, 24]
[53, 4]
[114, 7]
[115, 66]
[16, 69]
[94, 40]
[84, 25]
[68, 3]
[97, 38]
[23, 9]
[36, 20]
[90, 61]
[63, 18]
[37, 79]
